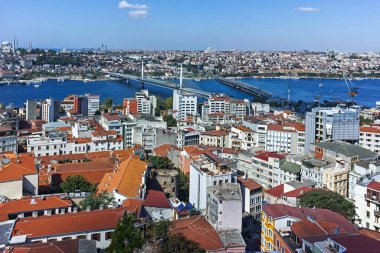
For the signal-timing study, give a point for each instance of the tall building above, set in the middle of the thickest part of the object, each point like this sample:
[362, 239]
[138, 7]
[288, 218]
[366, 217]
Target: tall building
[142, 103]
[93, 104]
[30, 110]
[50, 110]
[184, 104]
[224, 206]
[338, 123]
[370, 138]
[223, 104]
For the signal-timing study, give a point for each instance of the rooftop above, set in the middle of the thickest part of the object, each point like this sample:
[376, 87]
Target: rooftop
[155, 198]
[231, 238]
[249, 183]
[347, 149]
[226, 191]
[17, 168]
[291, 167]
[67, 246]
[68, 223]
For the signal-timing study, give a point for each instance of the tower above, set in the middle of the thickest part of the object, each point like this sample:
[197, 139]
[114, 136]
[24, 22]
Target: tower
[180, 78]
[289, 93]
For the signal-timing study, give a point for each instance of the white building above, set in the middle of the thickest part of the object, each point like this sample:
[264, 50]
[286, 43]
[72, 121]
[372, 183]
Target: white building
[338, 123]
[145, 103]
[48, 112]
[288, 138]
[93, 103]
[223, 104]
[242, 138]
[361, 170]
[204, 172]
[224, 206]
[252, 195]
[370, 138]
[30, 110]
[367, 202]
[184, 104]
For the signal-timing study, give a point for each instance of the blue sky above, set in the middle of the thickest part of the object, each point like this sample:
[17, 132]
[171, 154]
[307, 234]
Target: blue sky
[345, 25]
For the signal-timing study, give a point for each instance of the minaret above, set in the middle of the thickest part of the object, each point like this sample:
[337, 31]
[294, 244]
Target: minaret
[14, 44]
[180, 78]
[142, 69]
[289, 93]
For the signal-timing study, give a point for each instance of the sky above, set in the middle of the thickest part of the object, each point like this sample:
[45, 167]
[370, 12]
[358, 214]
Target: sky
[342, 25]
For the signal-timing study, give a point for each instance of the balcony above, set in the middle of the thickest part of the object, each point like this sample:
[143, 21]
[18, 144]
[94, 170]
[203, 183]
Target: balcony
[376, 213]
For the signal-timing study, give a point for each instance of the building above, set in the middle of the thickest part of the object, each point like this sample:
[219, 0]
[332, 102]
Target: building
[141, 103]
[284, 227]
[157, 206]
[361, 170]
[221, 103]
[75, 246]
[339, 123]
[242, 138]
[288, 138]
[128, 180]
[198, 229]
[260, 108]
[205, 172]
[165, 180]
[313, 169]
[367, 202]
[370, 138]
[18, 176]
[50, 110]
[8, 138]
[93, 104]
[30, 110]
[224, 206]
[69, 226]
[35, 206]
[187, 136]
[216, 138]
[184, 104]
[252, 196]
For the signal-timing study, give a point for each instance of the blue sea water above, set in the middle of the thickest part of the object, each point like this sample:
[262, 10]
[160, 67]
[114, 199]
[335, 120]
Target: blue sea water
[301, 89]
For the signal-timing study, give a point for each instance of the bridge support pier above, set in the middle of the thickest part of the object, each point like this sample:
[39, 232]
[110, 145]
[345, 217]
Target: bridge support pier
[142, 86]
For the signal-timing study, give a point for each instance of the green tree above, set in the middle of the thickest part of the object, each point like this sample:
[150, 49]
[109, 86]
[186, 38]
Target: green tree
[94, 201]
[170, 120]
[169, 103]
[126, 237]
[179, 244]
[183, 187]
[159, 106]
[161, 162]
[78, 182]
[366, 120]
[329, 200]
[108, 103]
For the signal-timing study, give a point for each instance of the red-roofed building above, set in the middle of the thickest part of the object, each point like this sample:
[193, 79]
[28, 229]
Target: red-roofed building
[216, 138]
[252, 196]
[96, 225]
[67, 246]
[370, 137]
[284, 227]
[157, 206]
[169, 151]
[287, 137]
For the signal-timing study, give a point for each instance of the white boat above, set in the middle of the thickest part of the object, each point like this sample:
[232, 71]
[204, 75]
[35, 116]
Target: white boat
[36, 85]
[321, 85]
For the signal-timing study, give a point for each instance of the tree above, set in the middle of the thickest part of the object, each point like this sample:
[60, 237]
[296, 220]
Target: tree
[108, 103]
[161, 162]
[329, 200]
[77, 183]
[95, 201]
[169, 103]
[183, 187]
[170, 120]
[126, 237]
[179, 244]
[159, 106]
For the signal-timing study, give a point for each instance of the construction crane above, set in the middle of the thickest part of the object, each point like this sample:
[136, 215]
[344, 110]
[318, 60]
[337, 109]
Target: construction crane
[352, 90]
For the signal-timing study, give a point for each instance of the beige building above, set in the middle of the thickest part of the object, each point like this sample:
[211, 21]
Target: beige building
[336, 179]
[215, 138]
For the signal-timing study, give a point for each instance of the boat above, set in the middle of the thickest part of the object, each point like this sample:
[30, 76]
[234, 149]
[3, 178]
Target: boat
[86, 80]
[321, 85]
[36, 85]
[197, 80]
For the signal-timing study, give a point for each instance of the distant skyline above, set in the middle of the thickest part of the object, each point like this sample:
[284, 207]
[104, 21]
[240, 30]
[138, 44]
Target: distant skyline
[317, 25]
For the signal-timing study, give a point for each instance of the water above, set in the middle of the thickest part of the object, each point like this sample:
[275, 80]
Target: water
[301, 89]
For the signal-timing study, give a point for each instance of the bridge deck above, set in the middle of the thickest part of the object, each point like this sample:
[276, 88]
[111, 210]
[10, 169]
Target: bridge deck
[250, 89]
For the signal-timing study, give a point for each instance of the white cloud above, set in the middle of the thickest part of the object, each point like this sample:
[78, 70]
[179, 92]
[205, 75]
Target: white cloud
[307, 9]
[136, 10]
[138, 13]
[125, 5]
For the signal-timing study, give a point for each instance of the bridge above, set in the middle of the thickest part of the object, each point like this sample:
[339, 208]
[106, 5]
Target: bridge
[161, 83]
[250, 89]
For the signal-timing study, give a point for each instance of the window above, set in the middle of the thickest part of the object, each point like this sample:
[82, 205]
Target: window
[95, 237]
[66, 238]
[288, 223]
[108, 235]
[81, 237]
[368, 214]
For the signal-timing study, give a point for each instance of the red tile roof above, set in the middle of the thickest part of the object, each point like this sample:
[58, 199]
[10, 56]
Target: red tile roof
[25, 205]
[265, 156]
[197, 229]
[18, 168]
[245, 129]
[276, 191]
[306, 228]
[357, 243]
[133, 206]
[299, 192]
[66, 246]
[68, 223]
[215, 133]
[249, 183]
[155, 198]
[370, 129]
[111, 116]
[164, 150]
[374, 185]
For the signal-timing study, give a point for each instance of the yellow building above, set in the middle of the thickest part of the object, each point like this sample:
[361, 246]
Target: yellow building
[336, 179]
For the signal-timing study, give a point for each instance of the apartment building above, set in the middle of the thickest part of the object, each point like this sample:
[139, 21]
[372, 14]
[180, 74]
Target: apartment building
[205, 172]
[8, 138]
[216, 138]
[338, 123]
[184, 104]
[241, 137]
[288, 138]
[224, 206]
[141, 103]
[50, 110]
[252, 196]
[370, 138]
[223, 104]
[93, 104]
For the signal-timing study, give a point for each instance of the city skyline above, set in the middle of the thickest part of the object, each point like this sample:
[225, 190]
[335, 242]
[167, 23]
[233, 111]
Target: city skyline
[195, 25]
